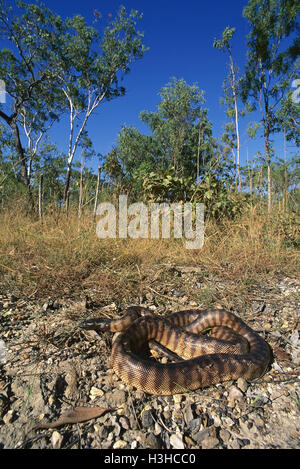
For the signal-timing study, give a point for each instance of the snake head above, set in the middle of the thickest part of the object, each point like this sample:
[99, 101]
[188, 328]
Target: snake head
[99, 324]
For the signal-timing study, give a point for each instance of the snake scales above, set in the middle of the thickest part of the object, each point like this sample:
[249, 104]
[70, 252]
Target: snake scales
[232, 349]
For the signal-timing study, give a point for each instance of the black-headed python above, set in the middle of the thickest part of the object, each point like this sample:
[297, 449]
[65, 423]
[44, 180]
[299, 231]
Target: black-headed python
[232, 349]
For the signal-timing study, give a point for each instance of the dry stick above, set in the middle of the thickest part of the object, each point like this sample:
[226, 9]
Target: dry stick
[9, 268]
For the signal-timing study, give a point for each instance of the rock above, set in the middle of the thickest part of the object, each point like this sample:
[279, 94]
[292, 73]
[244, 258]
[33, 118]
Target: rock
[95, 392]
[177, 398]
[227, 421]
[120, 444]
[234, 444]
[235, 395]
[56, 440]
[209, 442]
[147, 419]
[201, 435]
[176, 441]
[9, 417]
[187, 414]
[225, 435]
[194, 425]
[115, 398]
[217, 420]
[152, 441]
[124, 422]
[242, 384]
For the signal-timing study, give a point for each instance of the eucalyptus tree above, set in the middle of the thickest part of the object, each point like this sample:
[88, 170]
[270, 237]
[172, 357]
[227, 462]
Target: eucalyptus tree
[27, 69]
[289, 113]
[53, 65]
[181, 141]
[180, 125]
[270, 66]
[36, 123]
[138, 152]
[7, 166]
[232, 91]
[90, 73]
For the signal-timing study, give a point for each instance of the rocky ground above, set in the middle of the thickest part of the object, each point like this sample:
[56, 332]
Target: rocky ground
[50, 365]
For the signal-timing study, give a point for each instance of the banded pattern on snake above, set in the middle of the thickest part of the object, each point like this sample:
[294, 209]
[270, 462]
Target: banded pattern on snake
[232, 349]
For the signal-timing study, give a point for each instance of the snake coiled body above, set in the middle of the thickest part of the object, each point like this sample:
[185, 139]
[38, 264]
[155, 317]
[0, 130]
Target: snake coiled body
[205, 360]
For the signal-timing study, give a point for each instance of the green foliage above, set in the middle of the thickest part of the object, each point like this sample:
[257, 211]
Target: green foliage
[181, 135]
[253, 128]
[289, 115]
[175, 124]
[27, 69]
[162, 187]
[224, 43]
[136, 150]
[54, 65]
[219, 202]
[112, 167]
[270, 67]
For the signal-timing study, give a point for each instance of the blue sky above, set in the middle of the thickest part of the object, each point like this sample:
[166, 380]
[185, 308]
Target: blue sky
[180, 36]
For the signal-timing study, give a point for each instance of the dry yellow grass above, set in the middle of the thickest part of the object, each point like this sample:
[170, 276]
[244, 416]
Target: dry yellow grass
[63, 254]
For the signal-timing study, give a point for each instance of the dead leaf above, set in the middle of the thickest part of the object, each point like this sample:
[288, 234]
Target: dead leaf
[76, 415]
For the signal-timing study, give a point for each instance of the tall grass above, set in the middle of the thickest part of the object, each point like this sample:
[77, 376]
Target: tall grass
[60, 255]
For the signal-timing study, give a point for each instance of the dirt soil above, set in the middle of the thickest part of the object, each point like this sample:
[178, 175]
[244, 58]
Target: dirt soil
[51, 365]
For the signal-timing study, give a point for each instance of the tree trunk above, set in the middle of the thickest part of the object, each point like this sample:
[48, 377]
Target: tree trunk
[22, 161]
[200, 137]
[21, 156]
[67, 183]
[238, 145]
[267, 143]
[236, 124]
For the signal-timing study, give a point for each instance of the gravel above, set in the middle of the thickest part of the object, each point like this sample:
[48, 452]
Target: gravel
[50, 365]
